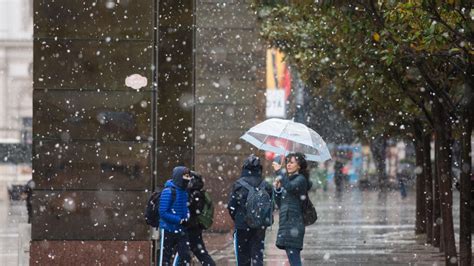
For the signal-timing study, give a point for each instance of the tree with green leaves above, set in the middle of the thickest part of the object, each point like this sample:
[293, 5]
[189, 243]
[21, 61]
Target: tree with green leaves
[414, 57]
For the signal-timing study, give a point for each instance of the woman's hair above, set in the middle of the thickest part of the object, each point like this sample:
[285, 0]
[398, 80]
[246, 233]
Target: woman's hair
[301, 161]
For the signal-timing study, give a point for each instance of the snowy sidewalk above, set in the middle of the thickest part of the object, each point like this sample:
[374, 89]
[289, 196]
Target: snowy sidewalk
[361, 228]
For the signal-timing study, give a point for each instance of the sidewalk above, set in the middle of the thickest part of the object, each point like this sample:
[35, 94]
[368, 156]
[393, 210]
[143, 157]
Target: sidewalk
[14, 233]
[361, 228]
[220, 247]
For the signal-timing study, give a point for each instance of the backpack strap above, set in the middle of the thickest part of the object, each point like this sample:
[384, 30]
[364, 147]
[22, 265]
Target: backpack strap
[263, 185]
[173, 195]
[245, 185]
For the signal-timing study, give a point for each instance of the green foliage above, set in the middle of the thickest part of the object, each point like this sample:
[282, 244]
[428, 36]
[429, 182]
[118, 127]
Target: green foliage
[333, 50]
[381, 62]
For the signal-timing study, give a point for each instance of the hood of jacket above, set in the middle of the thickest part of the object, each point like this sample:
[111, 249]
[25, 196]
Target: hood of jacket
[196, 183]
[252, 166]
[252, 170]
[251, 173]
[177, 177]
[253, 179]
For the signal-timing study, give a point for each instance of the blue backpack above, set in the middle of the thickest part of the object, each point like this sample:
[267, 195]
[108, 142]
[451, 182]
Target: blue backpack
[258, 207]
[152, 211]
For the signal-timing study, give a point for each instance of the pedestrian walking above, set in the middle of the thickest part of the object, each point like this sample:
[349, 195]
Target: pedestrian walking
[291, 187]
[339, 177]
[197, 202]
[250, 206]
[28, 191]
[404, 171]
[174, 215]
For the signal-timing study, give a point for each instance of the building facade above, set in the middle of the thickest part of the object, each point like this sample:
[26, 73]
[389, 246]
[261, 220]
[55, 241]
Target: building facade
[16, 58]
[16, 92]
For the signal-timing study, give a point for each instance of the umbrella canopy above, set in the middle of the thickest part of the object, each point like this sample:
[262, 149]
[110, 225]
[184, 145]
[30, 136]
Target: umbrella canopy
[295, 137]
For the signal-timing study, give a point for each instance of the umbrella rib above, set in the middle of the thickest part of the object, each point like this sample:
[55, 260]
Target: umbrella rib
[281, 133]
[295, 139]
[266, 136]
[286, 144]
[263, 142]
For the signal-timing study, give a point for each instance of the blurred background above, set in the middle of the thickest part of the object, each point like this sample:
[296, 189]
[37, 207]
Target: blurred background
[16, 111]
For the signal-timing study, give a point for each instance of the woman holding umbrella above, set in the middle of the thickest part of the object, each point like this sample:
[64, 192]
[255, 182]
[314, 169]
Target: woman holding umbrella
[291, 187]
[301, 143]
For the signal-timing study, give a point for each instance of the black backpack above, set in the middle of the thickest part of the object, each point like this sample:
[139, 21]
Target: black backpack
[152, 211]
[258, 207]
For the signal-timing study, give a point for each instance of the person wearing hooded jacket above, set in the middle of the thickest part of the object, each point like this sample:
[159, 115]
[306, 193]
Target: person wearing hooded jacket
[248, 242]
[194, 228]
[174, 215]
[291, 187]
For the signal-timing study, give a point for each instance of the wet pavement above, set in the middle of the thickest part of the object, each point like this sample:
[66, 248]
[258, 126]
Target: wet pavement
[361, 228]
[358, 228]
[13, 223]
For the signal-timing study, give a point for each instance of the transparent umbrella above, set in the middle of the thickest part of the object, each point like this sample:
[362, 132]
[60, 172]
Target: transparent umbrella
[295, 137]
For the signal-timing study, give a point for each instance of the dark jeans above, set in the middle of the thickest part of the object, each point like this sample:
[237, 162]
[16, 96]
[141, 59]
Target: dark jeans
[199, 249]
[170, 243]
[249, 246]
[294, 256]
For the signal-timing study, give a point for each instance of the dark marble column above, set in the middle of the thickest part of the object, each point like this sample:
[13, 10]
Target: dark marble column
[175, 105]
[102, 141]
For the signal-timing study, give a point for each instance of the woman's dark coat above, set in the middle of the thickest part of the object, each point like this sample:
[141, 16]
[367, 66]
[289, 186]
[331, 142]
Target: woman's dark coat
[291, 228]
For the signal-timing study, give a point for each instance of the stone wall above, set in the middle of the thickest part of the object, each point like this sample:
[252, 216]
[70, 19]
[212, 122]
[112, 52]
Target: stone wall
[229, 93]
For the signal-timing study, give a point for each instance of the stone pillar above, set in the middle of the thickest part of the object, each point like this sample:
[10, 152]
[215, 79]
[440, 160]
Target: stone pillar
[93, 134]
[175, 40]
[229, 94]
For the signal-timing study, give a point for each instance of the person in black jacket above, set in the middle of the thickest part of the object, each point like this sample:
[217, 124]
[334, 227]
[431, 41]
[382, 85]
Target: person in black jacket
[28, 190]
[194, 228]
[338, 177]
[248, 242]
[291, 186]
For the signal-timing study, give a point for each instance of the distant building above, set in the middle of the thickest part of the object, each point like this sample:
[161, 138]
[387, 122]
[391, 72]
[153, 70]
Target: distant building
[16, 58]
[16, 91]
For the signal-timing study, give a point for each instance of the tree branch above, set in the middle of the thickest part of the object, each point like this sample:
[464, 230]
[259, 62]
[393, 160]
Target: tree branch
[437, 17]
[435, 89]
[396, 77]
